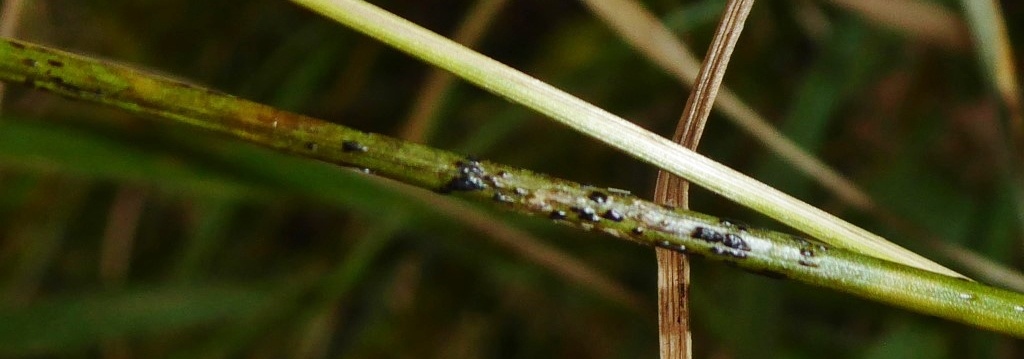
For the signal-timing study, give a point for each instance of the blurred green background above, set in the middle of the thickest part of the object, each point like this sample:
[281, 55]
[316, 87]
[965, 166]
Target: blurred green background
[124, 237]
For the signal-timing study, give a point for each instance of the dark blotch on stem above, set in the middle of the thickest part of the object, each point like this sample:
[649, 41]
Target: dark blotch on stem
[707, 234]
[28, 62]
[736, 242]
[638, 230]
[469, 178]
[613, 215]
[55, 63]
[557, 214]
[18, 46]
[598, 196]
[353, 146]
[807, 263]
[586, 214]
[311, 146]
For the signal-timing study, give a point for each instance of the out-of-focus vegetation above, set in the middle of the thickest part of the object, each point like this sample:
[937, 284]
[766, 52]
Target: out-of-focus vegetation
[121, 237]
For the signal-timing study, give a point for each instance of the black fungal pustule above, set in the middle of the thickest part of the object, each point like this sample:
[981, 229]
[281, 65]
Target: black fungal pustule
[55, 63]
[557, 214]
[707, 234]
[311, 146]
[469, 178]
[728, 252]
[353, 146]
[735, 242]
[613, 215]
[586, 213]
[638, 230]
[598, 196]
[807, 263]
[519, 191]
[28, 62]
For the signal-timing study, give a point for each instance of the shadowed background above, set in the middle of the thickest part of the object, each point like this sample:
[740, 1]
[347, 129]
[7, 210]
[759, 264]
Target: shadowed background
[121, 237]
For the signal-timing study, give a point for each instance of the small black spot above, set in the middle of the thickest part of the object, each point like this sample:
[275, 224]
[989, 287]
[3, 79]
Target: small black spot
[519, 191]
[638, 230]
[504, 174]
[707, 235]
[469, 178]
[736, 242]
[353, 146]
[311, 146]
[502, 198]
[55, 63]
[557, 214]
[613, 215]
[586, 213]
[807, 263]
[598, 196]
[728, 252]
[17, 45]
[28, 62]
[591, 216]
[807, 252]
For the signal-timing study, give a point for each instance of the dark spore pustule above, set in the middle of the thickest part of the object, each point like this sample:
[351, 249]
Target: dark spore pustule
[28, 62]
[638, 230]
[18, 46]
[55, 63]
[469, 178]
[519, 191]
[557, 214]
[707, 234]
[735, 242]
[728, 252]
[311, 146]
[586, 213]
[353, 146]
[613, 215]
[598, 196]
[806, 263]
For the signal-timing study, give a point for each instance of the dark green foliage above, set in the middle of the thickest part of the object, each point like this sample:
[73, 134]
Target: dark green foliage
[241, 251]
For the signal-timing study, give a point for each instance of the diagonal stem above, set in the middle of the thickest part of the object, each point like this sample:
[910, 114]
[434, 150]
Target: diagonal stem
[612, 212]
